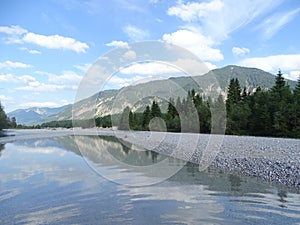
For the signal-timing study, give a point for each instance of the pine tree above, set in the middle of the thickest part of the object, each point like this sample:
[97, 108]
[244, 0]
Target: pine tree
[279, 82]
[233, 95]
[296, 93]
[172, 112]
[281, 97]
[131, 120]
[3, 118]
[155, 110]
[146, 118]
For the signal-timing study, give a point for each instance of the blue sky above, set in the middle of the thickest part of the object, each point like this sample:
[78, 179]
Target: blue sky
[47, 46]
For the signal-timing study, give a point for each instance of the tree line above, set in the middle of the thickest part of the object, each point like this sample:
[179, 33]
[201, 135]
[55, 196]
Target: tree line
[273, 112]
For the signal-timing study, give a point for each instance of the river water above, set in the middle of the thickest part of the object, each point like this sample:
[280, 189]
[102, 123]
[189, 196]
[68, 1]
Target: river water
[52, 181]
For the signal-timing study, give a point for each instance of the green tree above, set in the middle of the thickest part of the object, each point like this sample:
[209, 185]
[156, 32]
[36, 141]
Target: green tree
[3, 118]
[146, 118]
[172, 117]
[155, 110]
[233, 93]
[189, 116]
[132, 122]
[13, 122]
[296, 93]
[233, 99]
[280, 98]
[260, 120]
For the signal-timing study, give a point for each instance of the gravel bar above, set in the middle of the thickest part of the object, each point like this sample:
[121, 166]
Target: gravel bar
[276, 160]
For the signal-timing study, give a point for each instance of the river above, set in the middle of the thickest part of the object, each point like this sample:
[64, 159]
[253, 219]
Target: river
[51, 181]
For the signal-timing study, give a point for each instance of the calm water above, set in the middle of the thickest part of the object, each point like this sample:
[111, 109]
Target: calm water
[48, 181]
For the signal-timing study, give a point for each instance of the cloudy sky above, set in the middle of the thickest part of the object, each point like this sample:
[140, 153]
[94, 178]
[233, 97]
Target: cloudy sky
[47, 46]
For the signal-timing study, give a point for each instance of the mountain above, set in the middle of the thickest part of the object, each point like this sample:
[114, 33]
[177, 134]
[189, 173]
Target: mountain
[34, 115]
[138, 96]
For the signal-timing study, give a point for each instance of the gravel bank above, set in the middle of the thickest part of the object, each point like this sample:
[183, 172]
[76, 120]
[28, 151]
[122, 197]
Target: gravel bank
[276, 160]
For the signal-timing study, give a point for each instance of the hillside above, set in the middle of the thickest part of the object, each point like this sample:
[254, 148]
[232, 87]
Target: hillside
[138, 96]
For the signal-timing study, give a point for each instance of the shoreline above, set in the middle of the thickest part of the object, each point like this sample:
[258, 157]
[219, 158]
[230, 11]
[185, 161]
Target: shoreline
[275, 160]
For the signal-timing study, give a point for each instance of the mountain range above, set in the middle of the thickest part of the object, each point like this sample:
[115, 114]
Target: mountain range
[34, 115]
[138, 96]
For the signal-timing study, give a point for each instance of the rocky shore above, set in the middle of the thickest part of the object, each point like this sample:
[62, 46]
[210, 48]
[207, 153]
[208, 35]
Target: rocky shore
[276, 160]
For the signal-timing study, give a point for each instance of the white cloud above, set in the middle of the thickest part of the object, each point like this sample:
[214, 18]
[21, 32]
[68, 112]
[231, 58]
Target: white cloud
[136, 34]
[293, 75]
[16, 79]
[240, 51]
[149, 69]
[44, 104]
[192, 11]
[56, 42]
[13, 65]
[37, 86]
[274, 62]
[31, 51]
[274, 23]
[84, 68]
[129, 55]
[220, 18]
[6, 99]
[196, 43]
[68, 77]
[210, 66]
[20, 35]
[13, 30]
[118, 44]
[119, 82]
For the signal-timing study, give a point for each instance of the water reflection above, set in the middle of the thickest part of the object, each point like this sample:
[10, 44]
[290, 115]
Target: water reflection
[1, 148]
[47, 181]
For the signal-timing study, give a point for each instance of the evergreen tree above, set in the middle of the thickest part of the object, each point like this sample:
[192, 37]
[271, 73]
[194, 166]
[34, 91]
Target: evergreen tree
[172, 112]
[294, 112]
[218, 116]
[13, 122]
[281, 97]
[3, 118]
[155, 110]
[189, 117]
[131, 120]
[296, 93]
[172, 117]
[260, 120]
[233, 99]
[233, 94]
[146, 118]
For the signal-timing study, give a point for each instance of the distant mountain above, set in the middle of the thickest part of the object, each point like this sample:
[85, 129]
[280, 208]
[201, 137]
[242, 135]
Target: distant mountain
[114, 101]
[34, 115]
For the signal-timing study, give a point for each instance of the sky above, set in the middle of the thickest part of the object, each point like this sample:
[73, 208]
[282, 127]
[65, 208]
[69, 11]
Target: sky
[46, 47]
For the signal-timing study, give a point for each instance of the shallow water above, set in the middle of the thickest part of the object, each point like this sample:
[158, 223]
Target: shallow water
[91, 180]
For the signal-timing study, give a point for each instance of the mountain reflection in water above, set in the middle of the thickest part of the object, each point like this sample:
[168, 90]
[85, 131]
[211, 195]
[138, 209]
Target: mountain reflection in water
[51, 181]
